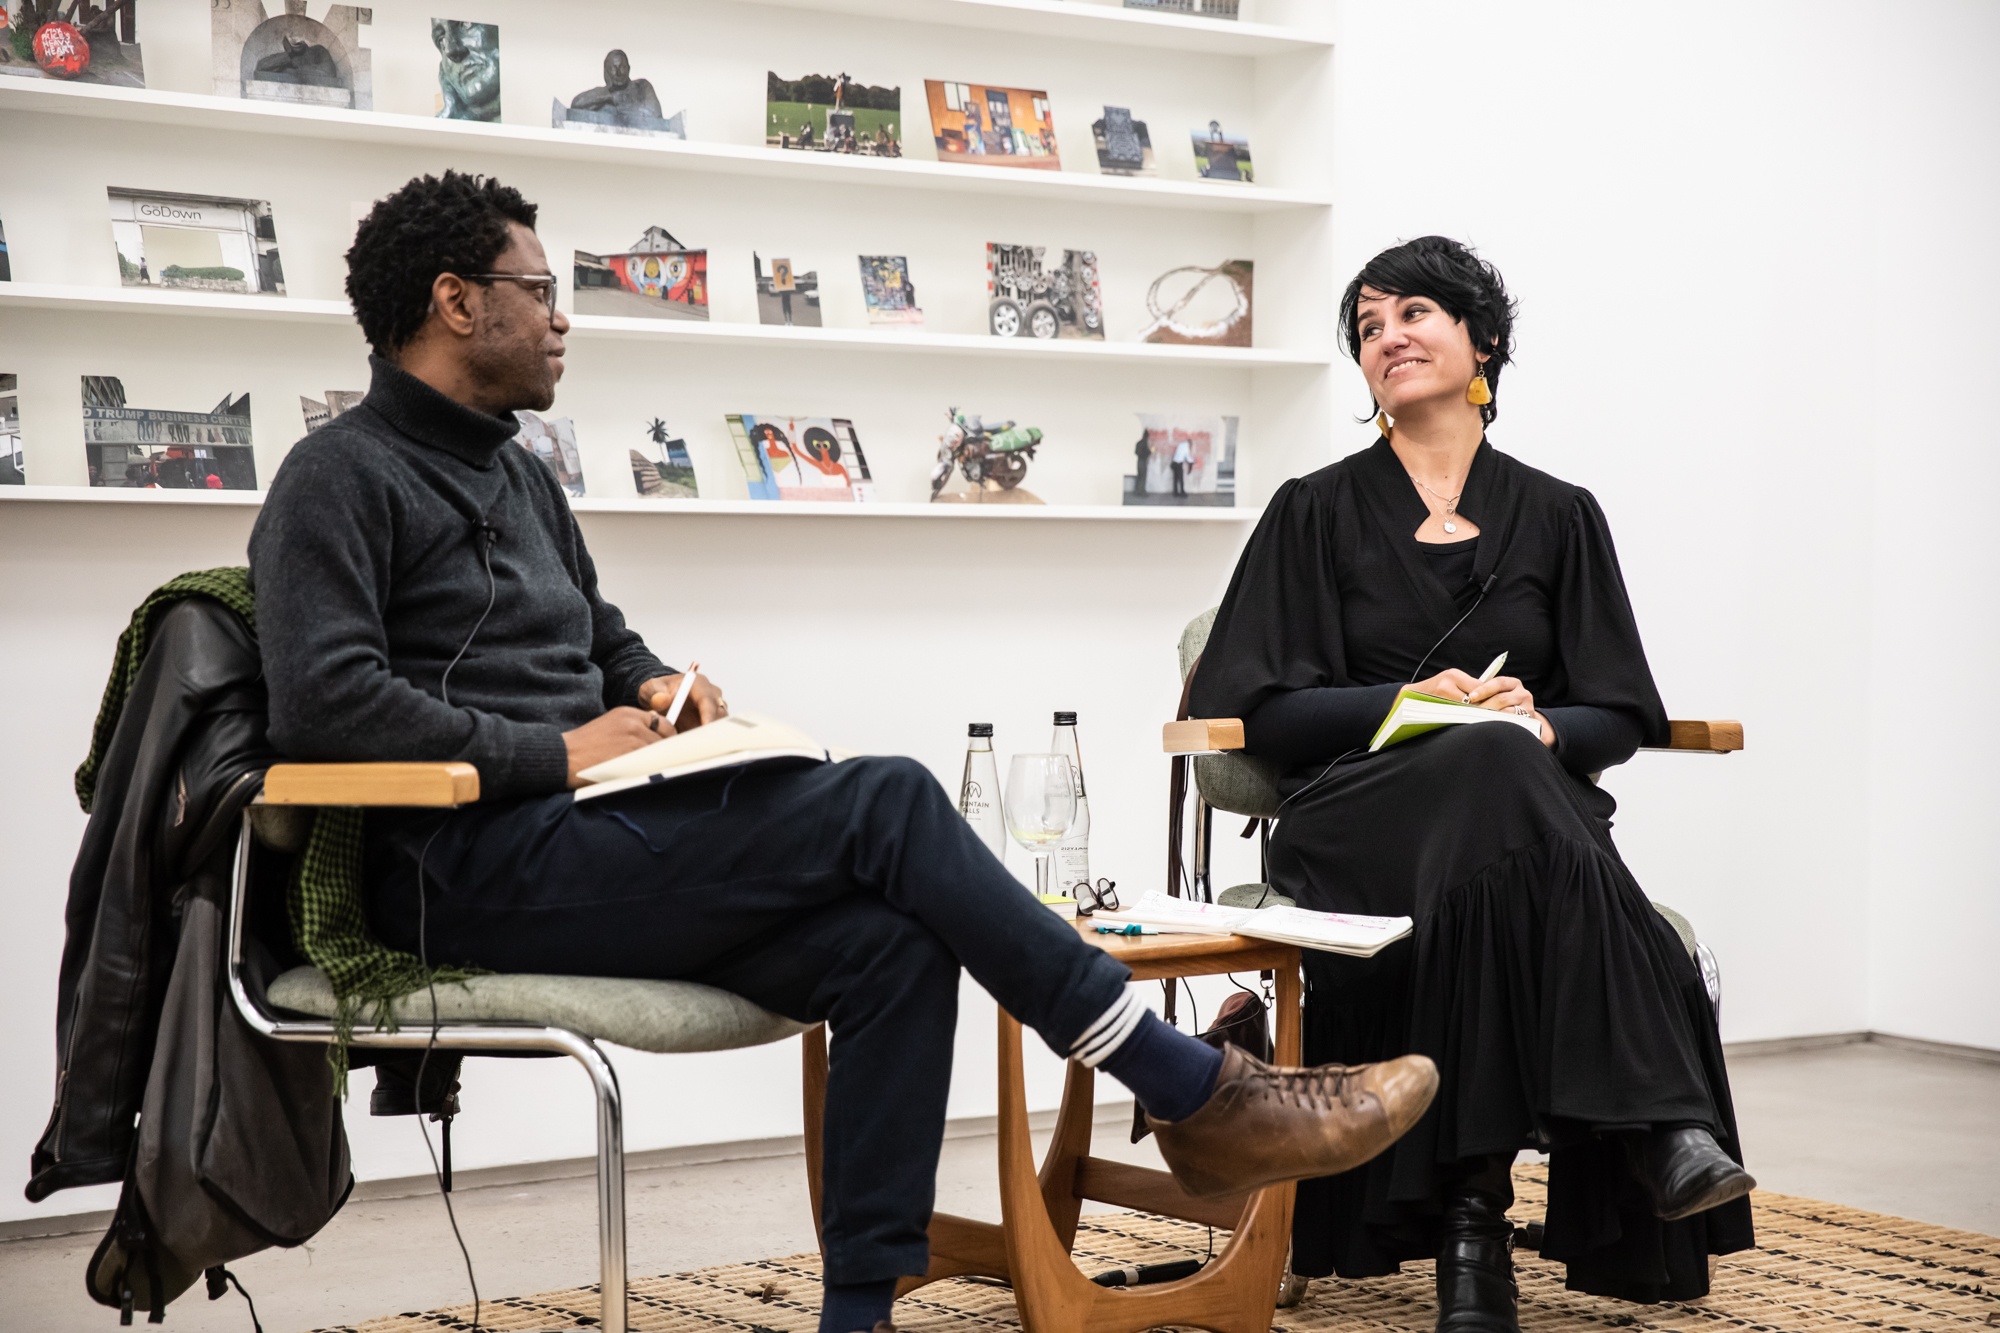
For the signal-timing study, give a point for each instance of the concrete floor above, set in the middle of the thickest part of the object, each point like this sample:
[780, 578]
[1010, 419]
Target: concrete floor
[1910, 1133]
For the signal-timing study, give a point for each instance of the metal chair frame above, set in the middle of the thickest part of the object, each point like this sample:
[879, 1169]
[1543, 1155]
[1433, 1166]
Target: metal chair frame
[473, 1038]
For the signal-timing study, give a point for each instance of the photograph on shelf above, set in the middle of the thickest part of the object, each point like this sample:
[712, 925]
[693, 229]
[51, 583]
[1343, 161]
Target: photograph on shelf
[1208, 9]
[72, 40]
[995, 127]
[1219, 157]
[887, 291]
[6, 262]
[468, 70]
[801, 458]
[832, 114]
[620, 105]
[199, 242]
[656, 277]
[13, 466]
[318, 413]
[1200, 307]
[983, 462]
[1026, 299]
[288, 57]
[554, 442]
[786, 297]
[1183, 459]
[1123, 146]
[144, 448]
[665, 472]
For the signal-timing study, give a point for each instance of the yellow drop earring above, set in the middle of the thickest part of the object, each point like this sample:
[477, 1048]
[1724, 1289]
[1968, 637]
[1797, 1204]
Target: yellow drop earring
[1382, 423]
[1478, 393]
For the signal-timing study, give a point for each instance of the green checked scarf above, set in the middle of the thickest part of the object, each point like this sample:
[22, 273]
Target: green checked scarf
[324, 897]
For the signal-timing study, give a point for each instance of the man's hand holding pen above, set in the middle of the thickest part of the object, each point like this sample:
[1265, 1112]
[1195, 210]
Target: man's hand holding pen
[672, 704]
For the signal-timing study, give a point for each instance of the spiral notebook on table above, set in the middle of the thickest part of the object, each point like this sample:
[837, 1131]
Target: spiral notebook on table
[1331, 932]
[740, 738]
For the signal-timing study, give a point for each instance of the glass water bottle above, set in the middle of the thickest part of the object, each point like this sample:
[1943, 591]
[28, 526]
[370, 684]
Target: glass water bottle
[979, 792]
[1073, 855]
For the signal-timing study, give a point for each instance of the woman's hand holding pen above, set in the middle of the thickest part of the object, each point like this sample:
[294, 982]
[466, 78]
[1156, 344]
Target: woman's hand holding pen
[1500, 693]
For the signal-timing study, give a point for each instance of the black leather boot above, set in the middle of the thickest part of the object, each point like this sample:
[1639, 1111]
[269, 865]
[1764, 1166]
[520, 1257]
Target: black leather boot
[1475, 1269]
[1686, 1172]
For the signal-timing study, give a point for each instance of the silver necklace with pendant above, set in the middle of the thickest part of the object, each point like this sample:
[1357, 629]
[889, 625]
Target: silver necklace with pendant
[1450, 506]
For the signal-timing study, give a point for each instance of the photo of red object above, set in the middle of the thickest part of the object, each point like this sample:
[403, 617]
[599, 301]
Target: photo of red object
[62, 50]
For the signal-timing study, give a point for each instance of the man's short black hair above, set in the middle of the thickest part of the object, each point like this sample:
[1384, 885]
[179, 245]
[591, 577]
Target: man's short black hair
[1452, 274]
[456, 223]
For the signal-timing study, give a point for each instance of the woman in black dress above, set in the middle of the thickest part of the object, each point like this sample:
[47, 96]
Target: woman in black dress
[1562, 1010]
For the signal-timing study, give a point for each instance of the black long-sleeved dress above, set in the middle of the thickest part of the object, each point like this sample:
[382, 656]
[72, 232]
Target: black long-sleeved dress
[1560, 1007]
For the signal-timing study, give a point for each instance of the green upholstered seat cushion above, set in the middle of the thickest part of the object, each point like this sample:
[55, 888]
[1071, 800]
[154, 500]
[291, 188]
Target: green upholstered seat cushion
[663, 1016]
[1682, 926]
[1252, 896]
[1236, 783]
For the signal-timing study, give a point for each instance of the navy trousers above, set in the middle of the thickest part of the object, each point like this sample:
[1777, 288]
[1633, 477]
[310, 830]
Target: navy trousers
[848, 893]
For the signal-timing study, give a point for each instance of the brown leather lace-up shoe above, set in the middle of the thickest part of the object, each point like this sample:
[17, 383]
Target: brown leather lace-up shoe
[1266, 1124]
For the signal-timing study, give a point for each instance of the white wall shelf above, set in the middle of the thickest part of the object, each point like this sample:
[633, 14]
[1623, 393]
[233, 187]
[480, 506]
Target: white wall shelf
[714, 333]
[198, 111]
[751, 508]
[1072, 21]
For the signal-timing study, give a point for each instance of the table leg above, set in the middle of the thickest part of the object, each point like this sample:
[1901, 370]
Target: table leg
[813, 1056]
[1236, 1293]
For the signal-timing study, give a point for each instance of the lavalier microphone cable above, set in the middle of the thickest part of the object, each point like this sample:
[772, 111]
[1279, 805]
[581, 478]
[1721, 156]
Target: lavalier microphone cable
[1415, 676]
[490, 535]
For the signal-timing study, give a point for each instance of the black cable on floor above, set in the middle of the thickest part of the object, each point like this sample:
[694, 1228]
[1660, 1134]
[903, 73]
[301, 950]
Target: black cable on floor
[437, 1171]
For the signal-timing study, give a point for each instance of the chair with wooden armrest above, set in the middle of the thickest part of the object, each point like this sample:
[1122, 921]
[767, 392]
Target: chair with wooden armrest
[1226, 779]
[492, 1014]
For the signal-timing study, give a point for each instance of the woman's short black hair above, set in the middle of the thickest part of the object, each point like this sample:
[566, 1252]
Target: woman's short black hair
[456, 223]
[1449, 272]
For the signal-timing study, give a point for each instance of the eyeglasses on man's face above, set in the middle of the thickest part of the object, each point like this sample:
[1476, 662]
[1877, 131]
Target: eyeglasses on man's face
[542, 285]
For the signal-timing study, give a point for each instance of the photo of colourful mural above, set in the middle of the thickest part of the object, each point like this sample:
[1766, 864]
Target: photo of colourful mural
[655, 277]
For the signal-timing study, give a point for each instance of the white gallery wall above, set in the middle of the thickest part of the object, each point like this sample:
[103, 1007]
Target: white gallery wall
[1753, 250]
[1754, 247]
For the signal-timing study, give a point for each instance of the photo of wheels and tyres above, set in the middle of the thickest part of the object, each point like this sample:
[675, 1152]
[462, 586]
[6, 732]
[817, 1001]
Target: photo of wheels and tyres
[831, 113]
[1027, 299]
[983, 462]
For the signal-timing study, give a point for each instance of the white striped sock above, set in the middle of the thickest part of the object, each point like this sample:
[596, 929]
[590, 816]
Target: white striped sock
[1110, 1030]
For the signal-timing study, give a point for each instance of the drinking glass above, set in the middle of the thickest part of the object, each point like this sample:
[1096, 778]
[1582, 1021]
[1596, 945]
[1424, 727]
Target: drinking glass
[1040, 804]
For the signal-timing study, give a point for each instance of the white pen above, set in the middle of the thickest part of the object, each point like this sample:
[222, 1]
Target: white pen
[687, 688]
[1492, 670]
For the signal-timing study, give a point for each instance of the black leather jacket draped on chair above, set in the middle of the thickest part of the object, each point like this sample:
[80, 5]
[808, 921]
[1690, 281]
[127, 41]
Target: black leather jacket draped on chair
[188, 753]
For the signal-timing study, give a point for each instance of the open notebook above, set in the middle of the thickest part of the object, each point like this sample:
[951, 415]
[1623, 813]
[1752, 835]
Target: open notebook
[740, 738]
[1333, 932]
[1415, 713]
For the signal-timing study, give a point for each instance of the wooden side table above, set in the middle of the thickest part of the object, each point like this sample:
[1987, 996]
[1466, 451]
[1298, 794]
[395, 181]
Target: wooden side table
[1030, 1248]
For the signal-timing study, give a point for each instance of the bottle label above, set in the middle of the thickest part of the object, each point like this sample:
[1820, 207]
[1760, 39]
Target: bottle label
[1072, 865]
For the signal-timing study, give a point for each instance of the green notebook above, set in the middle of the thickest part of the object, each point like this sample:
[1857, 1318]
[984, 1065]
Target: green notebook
[1415, 713]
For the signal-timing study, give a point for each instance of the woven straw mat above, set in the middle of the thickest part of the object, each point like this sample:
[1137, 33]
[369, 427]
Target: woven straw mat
[1818, 1266]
